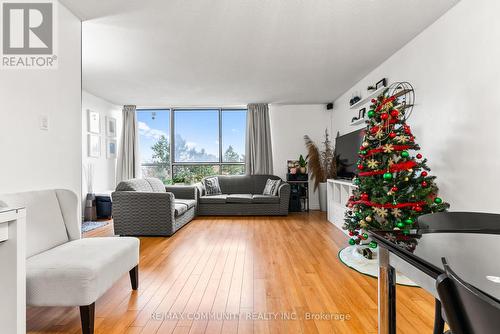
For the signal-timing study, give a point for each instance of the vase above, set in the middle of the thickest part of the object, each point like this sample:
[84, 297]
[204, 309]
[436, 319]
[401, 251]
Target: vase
[322, 196]
[303, 170]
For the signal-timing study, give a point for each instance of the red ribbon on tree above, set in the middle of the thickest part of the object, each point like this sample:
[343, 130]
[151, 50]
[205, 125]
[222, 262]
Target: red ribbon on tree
[381, 149]
[387, 100]
[393, 168]
[388, 205]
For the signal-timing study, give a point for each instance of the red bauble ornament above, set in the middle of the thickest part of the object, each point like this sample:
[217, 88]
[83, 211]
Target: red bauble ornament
[419, 156]
[394, 113]
[418, 209]
[394, 189]
[384, 116]
[351, 233]
[360, 167]
[424, 184]
[392, 135]
[374, 101]
[374, 129]
[424, 173]
[364, 197]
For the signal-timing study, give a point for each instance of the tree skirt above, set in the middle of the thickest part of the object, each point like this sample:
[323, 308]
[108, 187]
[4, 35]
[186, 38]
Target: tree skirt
[354, 260]
[92, 225]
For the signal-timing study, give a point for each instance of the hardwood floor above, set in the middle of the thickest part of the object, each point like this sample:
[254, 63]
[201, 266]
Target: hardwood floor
[261, 267]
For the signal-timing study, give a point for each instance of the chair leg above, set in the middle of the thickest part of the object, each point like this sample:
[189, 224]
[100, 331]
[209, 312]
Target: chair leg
[438, 318]
[87, 315]
[134, 277]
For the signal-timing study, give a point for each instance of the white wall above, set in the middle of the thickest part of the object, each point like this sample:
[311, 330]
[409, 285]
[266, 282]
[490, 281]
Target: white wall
[454, 67]
[104, 168]
[289, 124]
[38, 159]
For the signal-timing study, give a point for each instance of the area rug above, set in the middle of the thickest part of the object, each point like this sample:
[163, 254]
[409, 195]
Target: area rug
[351, 258]
[92, 225]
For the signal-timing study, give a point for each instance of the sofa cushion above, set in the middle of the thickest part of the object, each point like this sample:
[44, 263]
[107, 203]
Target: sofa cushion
[180, 209]
[214, 199]
[265, 199]
[157, 185]
[236, 184]
[134, 185]
[45, 226]
[190, 203]
[79, 272]
[239, 198]
[212, 187]
[183, 205]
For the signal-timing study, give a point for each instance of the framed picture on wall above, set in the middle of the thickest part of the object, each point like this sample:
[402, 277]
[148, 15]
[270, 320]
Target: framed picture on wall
[93, 121]
[94, 146]
[111, 148]
[110, 126]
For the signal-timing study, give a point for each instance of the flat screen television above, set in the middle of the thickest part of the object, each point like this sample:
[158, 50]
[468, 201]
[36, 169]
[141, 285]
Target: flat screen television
[347, 148]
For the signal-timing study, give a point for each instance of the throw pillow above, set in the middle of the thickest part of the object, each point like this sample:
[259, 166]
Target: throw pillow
[212, 186]
[271, 187]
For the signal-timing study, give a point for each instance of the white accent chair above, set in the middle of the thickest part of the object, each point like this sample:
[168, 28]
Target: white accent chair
[62, 269]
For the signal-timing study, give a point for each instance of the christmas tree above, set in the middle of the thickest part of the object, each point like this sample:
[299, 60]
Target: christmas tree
[394, 186]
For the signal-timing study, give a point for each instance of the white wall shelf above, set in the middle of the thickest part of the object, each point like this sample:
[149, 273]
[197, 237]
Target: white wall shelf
[338, 192]
[368, 98]
[359, 121]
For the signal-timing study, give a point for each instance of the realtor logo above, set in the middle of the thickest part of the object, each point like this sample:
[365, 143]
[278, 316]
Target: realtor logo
[28, 30]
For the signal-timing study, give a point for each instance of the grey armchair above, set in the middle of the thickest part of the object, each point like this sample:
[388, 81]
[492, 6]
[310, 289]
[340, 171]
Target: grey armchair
[147, 207]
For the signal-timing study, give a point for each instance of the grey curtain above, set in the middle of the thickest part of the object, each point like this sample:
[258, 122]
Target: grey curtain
[128, 165]
[258, 150]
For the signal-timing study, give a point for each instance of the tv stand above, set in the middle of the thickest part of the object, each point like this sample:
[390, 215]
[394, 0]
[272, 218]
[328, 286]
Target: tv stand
[338, 192]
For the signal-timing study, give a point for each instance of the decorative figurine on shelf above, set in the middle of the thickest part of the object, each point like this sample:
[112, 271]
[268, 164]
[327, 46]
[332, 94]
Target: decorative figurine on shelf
[394, 186]
[354, 100]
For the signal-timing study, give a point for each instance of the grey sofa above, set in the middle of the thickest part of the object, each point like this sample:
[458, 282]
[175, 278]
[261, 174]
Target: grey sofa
[242, 195]
[148, 207]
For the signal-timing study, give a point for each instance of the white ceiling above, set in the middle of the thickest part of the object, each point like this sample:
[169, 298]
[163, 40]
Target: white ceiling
[231, 52]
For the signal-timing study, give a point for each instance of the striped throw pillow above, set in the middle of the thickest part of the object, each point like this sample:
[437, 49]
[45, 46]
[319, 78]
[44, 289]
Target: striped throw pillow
[271, 187]
[212, 186]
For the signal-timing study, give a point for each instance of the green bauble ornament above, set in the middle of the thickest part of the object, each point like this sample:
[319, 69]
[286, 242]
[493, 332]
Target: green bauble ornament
[372, 244]
[365, 236]
[356, 181]
[352, 242]
[438, 200]
[409, 221]
[387, 176]
[363, 152]
[371, 113]
[405, 154]
[400, 224]
[406, 232]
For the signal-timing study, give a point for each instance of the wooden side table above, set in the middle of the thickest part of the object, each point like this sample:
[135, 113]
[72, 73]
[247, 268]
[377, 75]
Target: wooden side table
[302, 187]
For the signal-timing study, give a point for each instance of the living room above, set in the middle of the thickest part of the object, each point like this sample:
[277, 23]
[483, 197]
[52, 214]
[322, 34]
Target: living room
[249, 167]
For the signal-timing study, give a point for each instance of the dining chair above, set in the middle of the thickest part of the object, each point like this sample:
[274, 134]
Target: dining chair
[467, 309]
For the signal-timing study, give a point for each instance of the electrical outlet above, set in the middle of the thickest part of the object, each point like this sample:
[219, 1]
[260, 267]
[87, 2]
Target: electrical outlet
[44, 122]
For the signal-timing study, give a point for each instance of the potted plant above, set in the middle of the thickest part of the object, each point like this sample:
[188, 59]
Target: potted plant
[322, 165]
[302, 164]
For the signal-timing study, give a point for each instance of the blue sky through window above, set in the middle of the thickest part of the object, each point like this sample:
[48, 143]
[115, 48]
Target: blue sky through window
[199, 129]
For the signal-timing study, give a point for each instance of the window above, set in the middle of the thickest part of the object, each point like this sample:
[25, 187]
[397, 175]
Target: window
[205, 142]
[154, 143]
[196, 135]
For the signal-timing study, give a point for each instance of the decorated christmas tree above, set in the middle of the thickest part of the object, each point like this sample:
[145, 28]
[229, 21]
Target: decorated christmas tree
[394, 185]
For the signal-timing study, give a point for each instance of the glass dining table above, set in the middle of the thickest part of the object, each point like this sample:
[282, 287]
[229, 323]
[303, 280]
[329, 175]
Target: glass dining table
[470, 243]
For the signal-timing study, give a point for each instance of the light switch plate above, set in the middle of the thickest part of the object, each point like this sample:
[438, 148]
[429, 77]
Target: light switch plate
[44, 122]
